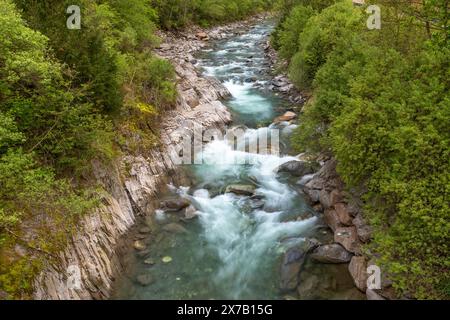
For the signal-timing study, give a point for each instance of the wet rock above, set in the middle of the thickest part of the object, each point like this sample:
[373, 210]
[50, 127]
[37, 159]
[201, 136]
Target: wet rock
[358, 271]
[348, 238]
[145, 279]
[288, 116]
[149, 261]
[308, 287]
[331, 253]
[139, 245]
[292, 264]
[343, 215]
[240, 189]
[174, 205]
[298, 168]
[145, 230]
[372, 295]
[174, 228]
[190, 213]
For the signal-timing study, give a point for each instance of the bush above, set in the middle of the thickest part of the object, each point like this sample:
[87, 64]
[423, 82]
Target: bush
[383, 109]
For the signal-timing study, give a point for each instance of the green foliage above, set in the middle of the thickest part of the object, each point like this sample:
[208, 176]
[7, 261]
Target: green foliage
[381, 105]
[291, 28]
[174, 14]
[321, 34]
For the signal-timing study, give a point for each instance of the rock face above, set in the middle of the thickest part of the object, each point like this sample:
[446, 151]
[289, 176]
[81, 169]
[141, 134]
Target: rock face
[331, 253]
[92, 253]
[298, 168]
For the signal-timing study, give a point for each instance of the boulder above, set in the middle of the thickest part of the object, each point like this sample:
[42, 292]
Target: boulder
[288, 116]
[292, 264]
[293, 261]
[331, 219]
[145, 230]
[241, 189]
[331, 253]
[343, 215]
[175, 205]
[358, 271]
[190, 212]
[174, 228]
[314, 195]
[336, 197]
[298, 168]
[363, 230]
[348, 238]
[324, 198]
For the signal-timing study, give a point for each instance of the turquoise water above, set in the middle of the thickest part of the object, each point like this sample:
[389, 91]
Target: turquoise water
[232, 250]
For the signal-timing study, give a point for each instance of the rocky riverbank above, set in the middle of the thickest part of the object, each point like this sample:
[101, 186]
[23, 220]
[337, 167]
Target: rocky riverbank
[132, 184]
[341, 212]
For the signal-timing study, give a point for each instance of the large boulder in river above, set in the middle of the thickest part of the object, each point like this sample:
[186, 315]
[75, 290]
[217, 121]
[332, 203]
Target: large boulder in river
[174, 228]
[288, 116]
[175, 204]
[331, 253]
[298, 168]
[241, 189]
[292, 264]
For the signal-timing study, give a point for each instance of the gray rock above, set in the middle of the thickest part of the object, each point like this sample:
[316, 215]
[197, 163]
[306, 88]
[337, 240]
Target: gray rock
[292, 264]
[363, 230]
[331, 253]
[240, 189]
[174, 228]
[298, 168]
[308, 287]
[174, 205]
[325, 199]
[145, 230]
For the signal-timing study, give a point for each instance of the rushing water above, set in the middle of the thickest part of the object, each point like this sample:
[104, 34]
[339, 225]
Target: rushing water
[233, 249]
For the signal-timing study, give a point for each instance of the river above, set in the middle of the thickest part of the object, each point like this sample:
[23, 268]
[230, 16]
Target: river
[233, 249]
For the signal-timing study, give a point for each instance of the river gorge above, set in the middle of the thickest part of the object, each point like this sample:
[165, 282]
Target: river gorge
[235, 227]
